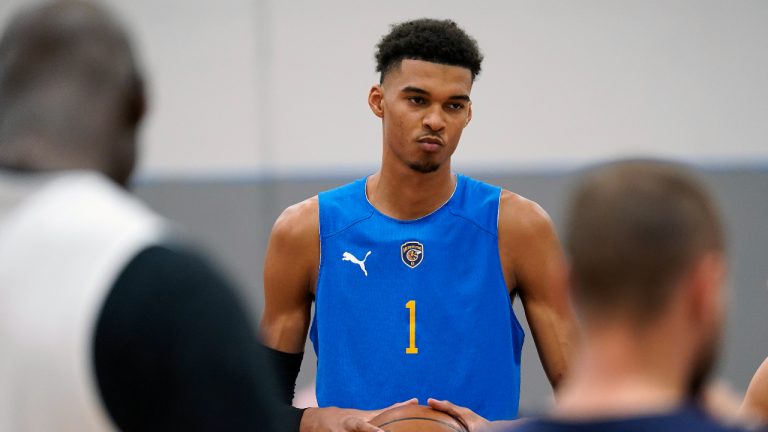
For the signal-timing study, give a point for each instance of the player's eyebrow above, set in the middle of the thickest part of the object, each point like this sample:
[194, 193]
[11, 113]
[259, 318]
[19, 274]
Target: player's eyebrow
[461, 97]
[412, 89]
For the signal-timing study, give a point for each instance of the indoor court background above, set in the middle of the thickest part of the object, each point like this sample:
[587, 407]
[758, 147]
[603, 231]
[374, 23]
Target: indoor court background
[255, 105]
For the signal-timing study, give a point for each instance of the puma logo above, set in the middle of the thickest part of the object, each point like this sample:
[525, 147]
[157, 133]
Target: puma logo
[351, 258]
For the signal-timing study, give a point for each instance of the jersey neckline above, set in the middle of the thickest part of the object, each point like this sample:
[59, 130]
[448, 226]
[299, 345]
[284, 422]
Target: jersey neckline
[459, 183]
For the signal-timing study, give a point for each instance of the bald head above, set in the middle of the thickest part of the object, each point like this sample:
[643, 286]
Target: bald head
[70, 93]
[634, 229]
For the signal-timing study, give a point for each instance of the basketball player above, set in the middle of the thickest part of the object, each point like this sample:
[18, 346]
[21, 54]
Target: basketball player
[413, 269]
[756, 400]
[648, 270]
[105, 321]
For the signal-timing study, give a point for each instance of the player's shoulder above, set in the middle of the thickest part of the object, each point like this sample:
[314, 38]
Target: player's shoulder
[298, 221]
[301, 210]
[522, 216]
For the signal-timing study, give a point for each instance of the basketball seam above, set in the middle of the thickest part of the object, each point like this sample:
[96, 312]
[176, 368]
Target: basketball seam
[421, 418]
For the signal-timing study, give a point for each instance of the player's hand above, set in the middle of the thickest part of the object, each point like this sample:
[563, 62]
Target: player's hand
[334, 419]
[720, 400]
[473, 421]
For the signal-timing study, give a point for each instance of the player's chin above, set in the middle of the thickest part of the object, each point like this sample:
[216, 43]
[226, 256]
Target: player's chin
[424, 167]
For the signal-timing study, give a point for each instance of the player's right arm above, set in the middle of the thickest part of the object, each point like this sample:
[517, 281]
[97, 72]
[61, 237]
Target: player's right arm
[290, 270]
[290, 275]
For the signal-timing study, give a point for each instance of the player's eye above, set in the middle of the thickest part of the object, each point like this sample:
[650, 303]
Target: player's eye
[418, 100]
[455, 106]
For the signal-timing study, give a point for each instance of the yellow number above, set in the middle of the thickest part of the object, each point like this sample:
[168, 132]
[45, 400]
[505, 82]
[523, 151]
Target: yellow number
[411, 306]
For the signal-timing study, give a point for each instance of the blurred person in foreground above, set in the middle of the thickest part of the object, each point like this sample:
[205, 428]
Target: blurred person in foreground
[106, 321]
[648, 271]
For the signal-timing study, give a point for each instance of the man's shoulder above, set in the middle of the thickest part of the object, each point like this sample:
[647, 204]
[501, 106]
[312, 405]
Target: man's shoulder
[303, 218]
[687, 418]
[521, 216]
[105, 221]
[343, 207]
[345, 198]
[349, 188]
[524, 209]
[299, 220]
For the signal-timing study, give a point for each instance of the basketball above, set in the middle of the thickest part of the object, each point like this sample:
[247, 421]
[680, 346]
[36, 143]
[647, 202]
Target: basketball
[417, 418]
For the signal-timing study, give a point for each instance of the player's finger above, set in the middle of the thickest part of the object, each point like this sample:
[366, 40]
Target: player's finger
[445, 406]
[412, 401]
[356, 424]
[466, 416]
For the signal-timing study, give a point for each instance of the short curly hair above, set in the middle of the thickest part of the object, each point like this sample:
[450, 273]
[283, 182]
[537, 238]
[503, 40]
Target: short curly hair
[436, 41]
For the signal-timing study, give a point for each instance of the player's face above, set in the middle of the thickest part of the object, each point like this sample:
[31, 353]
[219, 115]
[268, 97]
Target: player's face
[424, 107]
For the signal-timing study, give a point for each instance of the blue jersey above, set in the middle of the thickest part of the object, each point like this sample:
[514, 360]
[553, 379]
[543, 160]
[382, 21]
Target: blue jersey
[687, 418]
[415, 308]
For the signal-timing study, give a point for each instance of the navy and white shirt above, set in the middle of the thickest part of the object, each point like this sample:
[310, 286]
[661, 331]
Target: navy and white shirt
[106, 324]
[687, 418]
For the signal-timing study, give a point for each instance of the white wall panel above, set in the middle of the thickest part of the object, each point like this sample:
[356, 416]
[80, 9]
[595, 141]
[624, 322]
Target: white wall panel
[280, 86]
[563, 81]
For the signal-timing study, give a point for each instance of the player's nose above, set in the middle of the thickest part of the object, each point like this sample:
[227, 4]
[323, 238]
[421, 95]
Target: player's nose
[433, 120]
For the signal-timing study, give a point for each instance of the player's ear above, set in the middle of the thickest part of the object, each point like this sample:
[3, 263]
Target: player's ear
[376, 100]
[469, 114]
[707, 280]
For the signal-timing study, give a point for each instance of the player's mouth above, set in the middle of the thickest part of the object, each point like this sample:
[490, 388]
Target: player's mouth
[430, 143]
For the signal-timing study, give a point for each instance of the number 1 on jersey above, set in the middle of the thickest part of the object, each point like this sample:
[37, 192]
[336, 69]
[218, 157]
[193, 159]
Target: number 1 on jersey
[411, 306]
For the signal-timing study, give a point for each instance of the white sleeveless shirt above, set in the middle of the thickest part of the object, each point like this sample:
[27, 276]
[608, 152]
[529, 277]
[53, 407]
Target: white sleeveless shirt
[63, 243]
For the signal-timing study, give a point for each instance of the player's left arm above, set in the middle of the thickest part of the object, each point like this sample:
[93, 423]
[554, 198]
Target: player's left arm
[534, 268]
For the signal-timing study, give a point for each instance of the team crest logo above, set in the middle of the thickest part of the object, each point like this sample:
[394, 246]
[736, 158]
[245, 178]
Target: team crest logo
[412, 253]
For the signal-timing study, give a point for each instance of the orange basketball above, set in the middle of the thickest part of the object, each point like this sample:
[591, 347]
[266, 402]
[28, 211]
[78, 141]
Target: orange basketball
[417, 418]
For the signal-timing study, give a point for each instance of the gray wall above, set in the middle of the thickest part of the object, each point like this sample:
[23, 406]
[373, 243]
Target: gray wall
[281, 85]
[233, 218]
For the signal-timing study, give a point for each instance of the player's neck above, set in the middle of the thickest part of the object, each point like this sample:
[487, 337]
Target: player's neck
[32, 154]
[406, 194]
[621, 374]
